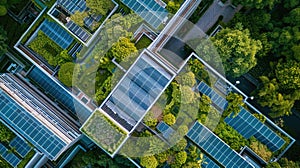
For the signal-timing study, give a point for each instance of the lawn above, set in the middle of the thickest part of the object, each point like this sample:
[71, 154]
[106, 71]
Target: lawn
[104, 132]
[143, 42]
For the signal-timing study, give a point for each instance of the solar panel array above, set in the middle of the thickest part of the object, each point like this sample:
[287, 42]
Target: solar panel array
[248, 125]
[208, 163]
[218, 100]
[216, 148]
[78, 31]
[73, 5]
[21, 146]
[11, 158]
[165, 129]
[63, 97]
[149, 10]
[34, 131]
[57, 34]
[138, 89]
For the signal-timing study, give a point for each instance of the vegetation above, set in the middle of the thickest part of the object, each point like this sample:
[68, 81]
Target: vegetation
[230, 136]
[5, 4]
[47, 48]
[104, 132]
[237, 50]
[173, 5]
[97, 158]
[3, 39]
[260, 149]
[235, 101]
[260, 117]
[169, 119]
[99, 7]
[149, 162]
[26, 159]
[78, 17]
[65, 73]
[143, 42]
[122, 49]
[256, 3]
[6, 134]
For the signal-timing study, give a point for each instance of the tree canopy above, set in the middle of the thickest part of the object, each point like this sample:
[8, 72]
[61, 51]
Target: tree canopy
[237, 50]
[187, 79]
[99, 6]
[122, 49]
[78, 17]
[258, 4]
[288, 75]
[65, 73]
[149, 162]
[235, 101]
[5, 133]
[3, 38]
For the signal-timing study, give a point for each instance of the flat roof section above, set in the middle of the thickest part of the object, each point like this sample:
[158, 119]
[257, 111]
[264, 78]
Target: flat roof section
[137, 90]
[216, 148]
[34, 131]
[149, 10]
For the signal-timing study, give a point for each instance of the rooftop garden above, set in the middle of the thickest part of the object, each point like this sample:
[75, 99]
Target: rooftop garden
[143, 42]
[104, 132]
[49, 50]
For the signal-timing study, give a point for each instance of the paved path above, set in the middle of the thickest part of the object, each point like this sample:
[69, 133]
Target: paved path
[210, 17]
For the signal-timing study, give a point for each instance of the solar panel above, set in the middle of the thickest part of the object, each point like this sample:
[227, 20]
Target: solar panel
[218, 100]
[165, 129]
[78, 31]
[62, 96]
[56, 33]
[215, 147]
[138, 90]
[11, 158]
[248, 125]
[20, 119]
[73, 5]
[149, 10]
[21, 146]
[208, 163]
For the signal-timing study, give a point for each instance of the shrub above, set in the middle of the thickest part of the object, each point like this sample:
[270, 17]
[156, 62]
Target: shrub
[169, 119]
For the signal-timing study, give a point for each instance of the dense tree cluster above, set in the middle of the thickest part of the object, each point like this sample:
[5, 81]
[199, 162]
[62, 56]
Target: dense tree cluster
[5, 4]
[3, 38]
[100, 7]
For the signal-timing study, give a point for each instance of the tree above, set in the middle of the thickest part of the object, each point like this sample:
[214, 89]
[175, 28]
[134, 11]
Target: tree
[3, 10]
[180, 158]
[187, 79]
[288, 75]
[273, 165]
[285, 163]
[78, 17]
[149, 162]
[235, 101]
[5, 133]
[269, 95]
[173, 7]
[100, 7]
[258, 4]
[237, 50]
[65, 73]
[3, 38]
[169, 119]
[294, 17]
[122, 49]
[150, 120]
[63, 57]
[187, 94]
[180, 145]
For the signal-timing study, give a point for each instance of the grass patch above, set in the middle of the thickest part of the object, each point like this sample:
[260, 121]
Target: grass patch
[143, 42]
[104, 132]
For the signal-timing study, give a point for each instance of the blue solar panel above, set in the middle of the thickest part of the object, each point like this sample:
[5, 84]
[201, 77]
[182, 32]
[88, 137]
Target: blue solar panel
[21, 146]
[138, 90]
[29, 127]
[11, 158]
[56, 33]
[143, 8]
[165, 129]
[73, 5]
[78, 31]
[59, 93]
[248, 125]
[215, 147]
[215, 98]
